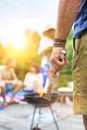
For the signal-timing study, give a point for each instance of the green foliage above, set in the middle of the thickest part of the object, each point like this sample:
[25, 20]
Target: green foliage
[69, 48]
[66, 73]
[63, 79]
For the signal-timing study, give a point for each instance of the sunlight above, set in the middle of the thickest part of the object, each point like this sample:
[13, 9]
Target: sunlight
[15, 36]
[18, 42]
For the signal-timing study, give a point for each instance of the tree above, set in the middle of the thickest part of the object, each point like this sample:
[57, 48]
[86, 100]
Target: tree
[2, 53]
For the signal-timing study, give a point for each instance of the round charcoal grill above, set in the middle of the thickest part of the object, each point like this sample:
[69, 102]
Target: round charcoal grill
[41, 101]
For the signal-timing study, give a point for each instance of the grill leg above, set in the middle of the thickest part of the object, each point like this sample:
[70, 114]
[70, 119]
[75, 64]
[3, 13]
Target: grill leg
[54, 118]
[33, 118]
[39, 116]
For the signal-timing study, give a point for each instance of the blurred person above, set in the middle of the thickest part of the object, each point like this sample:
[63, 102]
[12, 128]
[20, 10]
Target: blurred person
[33, 80]
[45, 49]
[3, 92]
[10, 79]
[69, 12]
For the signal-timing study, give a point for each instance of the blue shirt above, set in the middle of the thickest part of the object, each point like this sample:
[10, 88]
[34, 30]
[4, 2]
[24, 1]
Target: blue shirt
[80, 24]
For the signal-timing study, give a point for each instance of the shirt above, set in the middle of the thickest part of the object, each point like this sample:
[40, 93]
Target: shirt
[45, 44]
[45, 64]
[80, 24]
[7, 74]
[31, 80]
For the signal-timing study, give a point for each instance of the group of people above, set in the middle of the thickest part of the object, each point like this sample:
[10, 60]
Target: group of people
[69, 12]
[9, 81]
[34, 79]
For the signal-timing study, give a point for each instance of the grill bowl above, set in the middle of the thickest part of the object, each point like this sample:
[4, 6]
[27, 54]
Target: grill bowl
[35, 99]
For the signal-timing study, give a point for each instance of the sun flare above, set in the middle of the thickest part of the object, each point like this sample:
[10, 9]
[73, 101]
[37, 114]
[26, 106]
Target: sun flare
[15, 37]
[18, 42]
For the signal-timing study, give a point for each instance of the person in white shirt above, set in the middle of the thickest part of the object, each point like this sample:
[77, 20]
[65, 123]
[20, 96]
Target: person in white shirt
[33, 79]
[45, 49]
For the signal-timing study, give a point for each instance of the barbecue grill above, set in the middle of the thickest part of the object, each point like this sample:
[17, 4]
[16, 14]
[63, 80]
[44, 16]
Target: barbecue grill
[40, 102]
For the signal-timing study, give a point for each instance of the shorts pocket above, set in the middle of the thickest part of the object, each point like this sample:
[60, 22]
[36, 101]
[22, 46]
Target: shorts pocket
[75, 61]
[76, 45]
[83, 57]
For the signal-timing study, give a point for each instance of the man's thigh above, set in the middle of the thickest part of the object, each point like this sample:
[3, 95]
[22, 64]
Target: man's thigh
[80, 75]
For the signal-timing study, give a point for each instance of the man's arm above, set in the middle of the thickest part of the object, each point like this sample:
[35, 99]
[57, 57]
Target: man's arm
[67, 12]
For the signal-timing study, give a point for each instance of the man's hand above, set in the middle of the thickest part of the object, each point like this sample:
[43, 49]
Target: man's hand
[56, 61]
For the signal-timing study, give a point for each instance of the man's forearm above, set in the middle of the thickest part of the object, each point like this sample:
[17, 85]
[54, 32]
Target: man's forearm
[67, 12]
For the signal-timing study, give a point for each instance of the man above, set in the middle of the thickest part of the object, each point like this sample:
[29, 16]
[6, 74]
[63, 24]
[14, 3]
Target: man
[69, 12]
[10, 79]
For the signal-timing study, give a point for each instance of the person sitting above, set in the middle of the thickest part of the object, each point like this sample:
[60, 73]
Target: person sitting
[9, 78]
[33, 80]
[3, 92]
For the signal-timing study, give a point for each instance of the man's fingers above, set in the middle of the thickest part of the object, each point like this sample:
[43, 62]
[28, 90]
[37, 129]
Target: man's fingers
[57, 67]
[56, 63]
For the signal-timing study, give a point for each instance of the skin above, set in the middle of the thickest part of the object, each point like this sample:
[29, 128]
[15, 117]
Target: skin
[67, 12]
[17, 84]
[3, 92]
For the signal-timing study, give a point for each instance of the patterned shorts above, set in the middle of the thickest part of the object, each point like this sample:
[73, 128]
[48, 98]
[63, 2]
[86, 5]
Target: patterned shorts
[80, 75]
